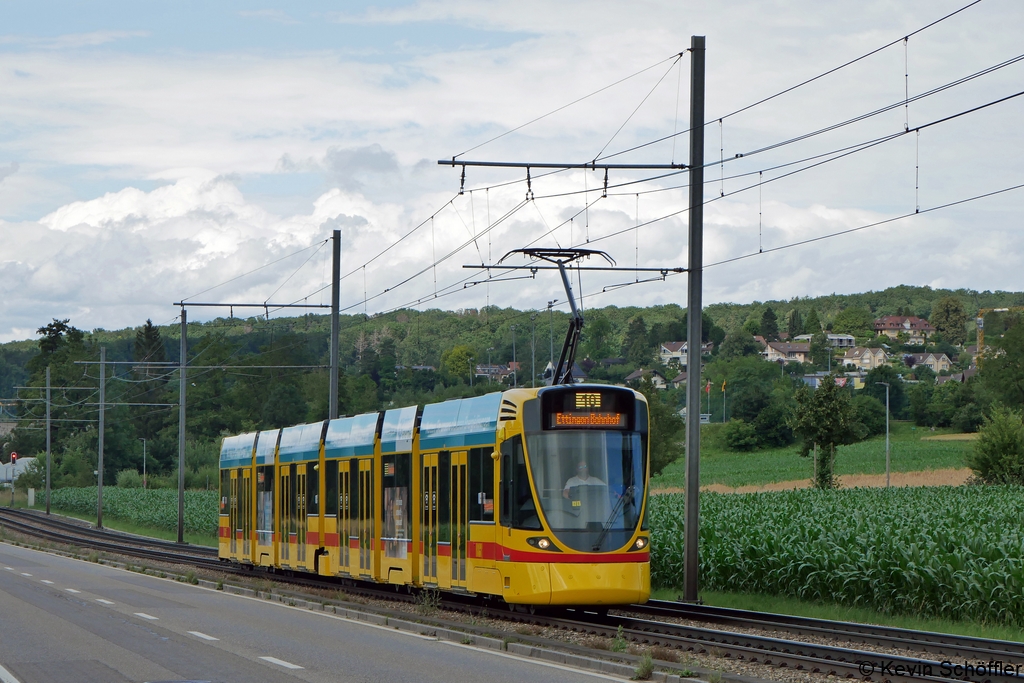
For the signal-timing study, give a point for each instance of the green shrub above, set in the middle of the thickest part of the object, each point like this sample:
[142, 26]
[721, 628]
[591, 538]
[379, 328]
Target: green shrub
[740, 435]
[998, 456]
[129, 479]
[870, 412]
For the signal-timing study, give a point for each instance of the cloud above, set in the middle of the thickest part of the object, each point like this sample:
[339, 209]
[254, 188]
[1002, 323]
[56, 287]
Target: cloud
[71, 41]
[146, 166]
[11, 169]
[274, 15]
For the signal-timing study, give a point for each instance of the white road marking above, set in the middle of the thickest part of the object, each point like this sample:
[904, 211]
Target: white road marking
[146, 616]
[49, 582]
[540, 662]
[25, 574]
[198, 634]
[7, 677]
[10, 569]
[281, 662]
[72, 590]
[105, 602]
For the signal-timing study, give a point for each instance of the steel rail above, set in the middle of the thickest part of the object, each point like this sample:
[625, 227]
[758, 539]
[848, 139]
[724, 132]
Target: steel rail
[886, 636]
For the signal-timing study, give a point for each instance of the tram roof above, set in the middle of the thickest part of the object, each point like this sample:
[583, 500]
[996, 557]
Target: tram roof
[236, 451]
[462, 422]
[349, 436]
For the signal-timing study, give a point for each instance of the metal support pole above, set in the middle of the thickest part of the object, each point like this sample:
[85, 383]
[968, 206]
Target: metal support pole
[533, 350]
[691, 562]
[515, 375]
[47, 439]
[335, 303]
[99, 465]
[143, 462]
[551, 322]
[181, 426]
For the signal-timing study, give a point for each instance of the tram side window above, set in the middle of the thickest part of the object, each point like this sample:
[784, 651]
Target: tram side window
[396, 482]
[225, 490]
[331, 503]
[481, 485]
[517, 507]
[265, 504]
[312, 490]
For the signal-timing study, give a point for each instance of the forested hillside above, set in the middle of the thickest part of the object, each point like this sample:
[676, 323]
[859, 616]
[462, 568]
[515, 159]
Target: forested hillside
[236, 380]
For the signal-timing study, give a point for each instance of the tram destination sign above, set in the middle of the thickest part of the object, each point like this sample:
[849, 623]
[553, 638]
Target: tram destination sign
[592, 409]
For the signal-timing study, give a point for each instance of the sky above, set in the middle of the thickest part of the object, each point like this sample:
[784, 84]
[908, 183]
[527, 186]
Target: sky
[157, 152]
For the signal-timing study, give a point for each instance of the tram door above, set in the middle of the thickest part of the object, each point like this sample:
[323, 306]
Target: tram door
[444, 525]
[344, 517]
[300, 515]
[233, 513]
[363, 481]
[245, 494]
[286, 515]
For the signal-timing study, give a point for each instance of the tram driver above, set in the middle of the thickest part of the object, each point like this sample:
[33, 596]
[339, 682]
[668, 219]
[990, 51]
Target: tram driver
[581, 478]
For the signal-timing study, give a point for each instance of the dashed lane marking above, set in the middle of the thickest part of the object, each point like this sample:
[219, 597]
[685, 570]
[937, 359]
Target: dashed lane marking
[25, 574]
[10, 569]
[105, 602]
[199, 634]
[281, 662]
[47, 582]
[6, 676]
[72, 590]
[146, 616]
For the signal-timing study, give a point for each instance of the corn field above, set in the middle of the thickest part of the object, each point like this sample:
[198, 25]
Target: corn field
[150, 507]
[953, 552]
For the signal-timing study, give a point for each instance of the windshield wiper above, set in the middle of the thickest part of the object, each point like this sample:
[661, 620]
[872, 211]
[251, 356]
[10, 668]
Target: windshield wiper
[627, 496]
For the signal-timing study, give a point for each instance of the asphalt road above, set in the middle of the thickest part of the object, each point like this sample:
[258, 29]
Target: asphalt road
[65, 620]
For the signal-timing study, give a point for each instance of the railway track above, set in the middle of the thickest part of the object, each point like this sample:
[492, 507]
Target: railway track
[770, 650]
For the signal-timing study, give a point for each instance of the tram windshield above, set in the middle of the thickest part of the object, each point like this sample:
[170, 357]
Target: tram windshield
[590, 485]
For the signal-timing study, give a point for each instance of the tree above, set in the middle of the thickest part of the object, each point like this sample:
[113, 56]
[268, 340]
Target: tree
[870, 413]
[1003, 373]
[998, 456]
[821, 350]
[739, 435]
[856, 321]
[795, 325]
[769, 324]
[666, 427]
[596, 335]
[897, 393]
[824, 417]
[812, 325]
[457, 362]
[149, 346]
[739, 343]
[950, 319]
[636, 346]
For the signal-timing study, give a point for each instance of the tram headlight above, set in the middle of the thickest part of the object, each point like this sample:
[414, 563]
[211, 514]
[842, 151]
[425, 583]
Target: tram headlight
[641, 543]
[542, 542]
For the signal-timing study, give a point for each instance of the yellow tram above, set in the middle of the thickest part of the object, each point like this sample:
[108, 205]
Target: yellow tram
[533, 496]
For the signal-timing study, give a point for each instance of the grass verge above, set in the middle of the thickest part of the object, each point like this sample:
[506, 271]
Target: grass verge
[908, 453]
[803, 608]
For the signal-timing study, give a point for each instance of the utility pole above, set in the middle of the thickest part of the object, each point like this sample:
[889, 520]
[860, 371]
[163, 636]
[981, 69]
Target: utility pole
[335, 303]
[181, 426]
[99, 467]
[143, 463]
[472, 372]
[533, 350]
[551, 321]
[47, 439]
[691, 561]
[515, 375]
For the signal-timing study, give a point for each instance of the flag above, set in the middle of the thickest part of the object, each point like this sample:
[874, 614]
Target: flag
[707, 387]
[723, 386]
